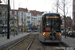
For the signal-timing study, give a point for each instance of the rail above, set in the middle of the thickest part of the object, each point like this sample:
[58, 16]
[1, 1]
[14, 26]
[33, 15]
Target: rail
[30, 43]
[16, 43]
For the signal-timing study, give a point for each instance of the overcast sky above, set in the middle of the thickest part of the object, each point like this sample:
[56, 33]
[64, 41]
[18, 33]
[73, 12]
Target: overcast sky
[40, 5]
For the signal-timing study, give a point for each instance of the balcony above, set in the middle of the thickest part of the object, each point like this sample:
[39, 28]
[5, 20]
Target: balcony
[28, 21]
[28, 16]
[13, 18]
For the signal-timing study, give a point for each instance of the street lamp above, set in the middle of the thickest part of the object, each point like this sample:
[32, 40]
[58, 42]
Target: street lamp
[8, 25]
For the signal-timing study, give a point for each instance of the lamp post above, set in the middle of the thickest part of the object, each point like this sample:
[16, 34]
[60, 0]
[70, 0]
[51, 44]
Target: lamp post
[8, 24]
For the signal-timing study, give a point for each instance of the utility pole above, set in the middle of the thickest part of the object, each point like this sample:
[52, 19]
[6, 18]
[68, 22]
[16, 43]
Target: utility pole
[8, 25]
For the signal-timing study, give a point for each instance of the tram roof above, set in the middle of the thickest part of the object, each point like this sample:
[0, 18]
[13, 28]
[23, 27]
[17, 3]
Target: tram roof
[49, 13]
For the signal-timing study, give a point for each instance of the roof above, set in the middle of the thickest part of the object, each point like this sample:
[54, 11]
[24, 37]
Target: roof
[32, 12]
[50, 13]
[13, 10]
[26, 10]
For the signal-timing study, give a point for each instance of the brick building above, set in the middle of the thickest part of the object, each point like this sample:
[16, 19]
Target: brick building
[68, 22]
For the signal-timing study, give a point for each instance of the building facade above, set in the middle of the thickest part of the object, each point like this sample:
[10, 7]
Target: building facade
[68, 23]
[3, 16]
[24, 18]
[27, 17]
[13, 18]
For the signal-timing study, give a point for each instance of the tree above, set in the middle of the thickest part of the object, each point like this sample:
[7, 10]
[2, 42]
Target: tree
[63, 6]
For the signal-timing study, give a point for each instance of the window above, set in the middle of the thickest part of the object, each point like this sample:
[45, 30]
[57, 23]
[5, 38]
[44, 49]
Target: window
[28, 21]
[5, 12]
[0, 12]
[5, 22]
[10, 12]
[0, 21]
[15, 12]
[15, 17]
[12, 22]
[22, 14]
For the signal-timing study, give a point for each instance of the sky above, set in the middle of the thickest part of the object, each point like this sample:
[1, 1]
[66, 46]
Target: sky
[39, 5]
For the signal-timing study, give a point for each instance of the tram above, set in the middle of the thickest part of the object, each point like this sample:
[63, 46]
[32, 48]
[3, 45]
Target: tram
[50, 28]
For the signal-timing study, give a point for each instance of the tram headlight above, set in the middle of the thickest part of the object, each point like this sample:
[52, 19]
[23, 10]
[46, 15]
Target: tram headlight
[44, 33]
[59, 34]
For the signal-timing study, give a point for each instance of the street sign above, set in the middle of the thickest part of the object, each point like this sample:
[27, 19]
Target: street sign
[29, 25]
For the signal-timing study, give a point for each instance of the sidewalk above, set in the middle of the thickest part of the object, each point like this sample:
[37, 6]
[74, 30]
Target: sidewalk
[5, 42]
[69, 41]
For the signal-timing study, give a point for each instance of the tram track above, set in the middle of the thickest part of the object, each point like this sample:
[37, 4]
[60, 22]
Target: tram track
[44, 47]
[12, 45]
[31, 42]
[36, 44]
[19, 45]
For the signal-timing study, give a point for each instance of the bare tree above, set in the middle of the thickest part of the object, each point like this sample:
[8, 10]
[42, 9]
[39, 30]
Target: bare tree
[55, 8]
[63, 7]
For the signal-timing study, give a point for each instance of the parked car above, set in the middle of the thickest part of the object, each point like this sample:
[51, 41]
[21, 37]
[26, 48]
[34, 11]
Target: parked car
[28, 30]
[71, 33]
[3, 31]
[35, 30]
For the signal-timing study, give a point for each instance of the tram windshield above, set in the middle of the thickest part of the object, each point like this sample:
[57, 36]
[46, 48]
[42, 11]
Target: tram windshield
[52, 23]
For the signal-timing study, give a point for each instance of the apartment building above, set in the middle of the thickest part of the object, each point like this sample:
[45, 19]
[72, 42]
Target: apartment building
[24, 18]
[36, 16]
[13, 18]
[3, 16]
